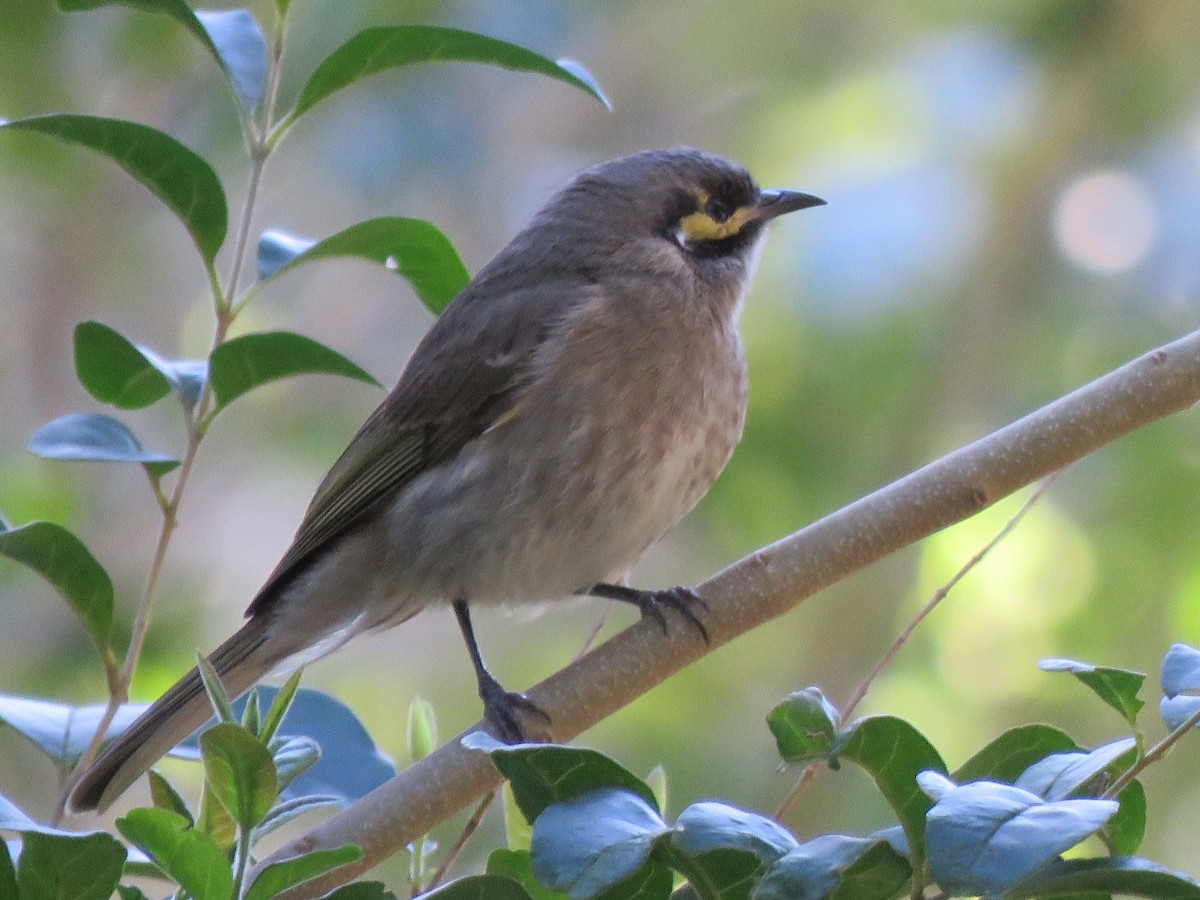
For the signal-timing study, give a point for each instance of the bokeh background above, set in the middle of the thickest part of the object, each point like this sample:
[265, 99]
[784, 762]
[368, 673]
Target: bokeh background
[1014, 208]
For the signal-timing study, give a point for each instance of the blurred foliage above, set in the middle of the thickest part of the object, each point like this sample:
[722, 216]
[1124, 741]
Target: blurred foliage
[1014, 196]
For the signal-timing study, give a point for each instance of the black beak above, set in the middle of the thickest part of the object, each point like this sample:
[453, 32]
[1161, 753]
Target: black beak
[772, 203]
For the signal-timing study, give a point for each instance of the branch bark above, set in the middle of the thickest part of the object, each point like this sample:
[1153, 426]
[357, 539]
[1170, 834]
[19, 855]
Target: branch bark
[768, 583]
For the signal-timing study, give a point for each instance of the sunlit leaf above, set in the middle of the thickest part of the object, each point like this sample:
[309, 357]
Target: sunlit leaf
[1116, 687]
[239, 770]
[92, 437]
[78, 866]
[804, 725]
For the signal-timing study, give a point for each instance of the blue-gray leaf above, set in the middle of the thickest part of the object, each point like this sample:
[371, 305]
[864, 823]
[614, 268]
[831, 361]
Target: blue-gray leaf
[92, 437]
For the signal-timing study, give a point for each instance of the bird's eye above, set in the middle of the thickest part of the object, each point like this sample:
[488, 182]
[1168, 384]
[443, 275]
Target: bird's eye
[718, 210]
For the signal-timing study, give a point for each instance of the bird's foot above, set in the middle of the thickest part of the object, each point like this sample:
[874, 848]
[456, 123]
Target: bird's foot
[654, 604]
[504, 710]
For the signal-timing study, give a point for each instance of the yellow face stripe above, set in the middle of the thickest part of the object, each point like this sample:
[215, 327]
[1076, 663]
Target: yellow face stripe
[700, 226]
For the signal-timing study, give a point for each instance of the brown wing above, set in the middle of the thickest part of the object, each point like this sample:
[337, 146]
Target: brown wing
[464, 376]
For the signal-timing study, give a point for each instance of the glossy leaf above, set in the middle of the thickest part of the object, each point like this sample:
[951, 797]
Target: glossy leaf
[1014, 751]
[1061, 774]
[92, 437]
[1180, 670]
[186, 854]
[79, 867]
[278, 877]
[893, 753]
[13, 818]
[62, 732]
[1116, 687]
[113, 370]
[233, 38]
[389, 47]
[239, 770]
[542, 774]
[279, 705]
[180, 178]
[186, 377]
[709, 825]
[1124, 832]
[1126, 876]
[241, 50]
[411, 247]
[1177, 710]
[246, 362]
[590, 843]
[63, 560]
[836, 866]
[805, 725]
[985, 837]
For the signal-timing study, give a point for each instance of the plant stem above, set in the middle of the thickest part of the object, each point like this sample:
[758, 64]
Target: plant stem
[1153, 755]
[198, 420]
[241, 858]
[456, 848]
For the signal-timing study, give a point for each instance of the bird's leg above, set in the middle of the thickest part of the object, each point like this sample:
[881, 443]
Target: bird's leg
[682, 600]
[500, 707]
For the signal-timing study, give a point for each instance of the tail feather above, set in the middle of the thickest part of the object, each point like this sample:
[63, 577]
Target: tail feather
[180, 711]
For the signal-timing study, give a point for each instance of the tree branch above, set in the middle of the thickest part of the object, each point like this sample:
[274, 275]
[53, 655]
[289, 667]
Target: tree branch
[768, 583]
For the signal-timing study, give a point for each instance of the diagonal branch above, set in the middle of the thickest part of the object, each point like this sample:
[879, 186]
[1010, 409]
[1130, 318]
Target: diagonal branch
[771, 581]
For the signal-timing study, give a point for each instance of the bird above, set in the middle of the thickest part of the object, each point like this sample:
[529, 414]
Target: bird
[575, 400]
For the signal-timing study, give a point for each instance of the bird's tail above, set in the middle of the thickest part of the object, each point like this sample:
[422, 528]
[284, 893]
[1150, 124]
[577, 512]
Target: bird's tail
[176, 714]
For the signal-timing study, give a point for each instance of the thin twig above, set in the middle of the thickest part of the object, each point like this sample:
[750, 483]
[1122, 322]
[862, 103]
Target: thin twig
[471, 826]
[1153, 755]
[809, 773]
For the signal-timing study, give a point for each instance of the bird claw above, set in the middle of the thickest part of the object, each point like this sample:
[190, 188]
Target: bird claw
[504, 710]
[654, 604]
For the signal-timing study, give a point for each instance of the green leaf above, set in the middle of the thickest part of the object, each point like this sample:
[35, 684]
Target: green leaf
[92, 437]
[587, 845]
[8, 873]
[390, 47]
[164, 796]
[79, 867]
[180, 178]
[251, 360]
[239, 770]
[1124, 832]
[1116, 687]
[1014, 751]
[412, 247]
[279, 706]
[215, 689]
[293, 756]
[233, 38]
[278, 877]
[282, 813]
[804, 725]
[63, 560]
[476, 887]
[62, 732]
[1180, 670]
[985, 837]
[542, 774]
[518, 833]
[836, 866]
[422, 729]
[187, 855]
[113, 370]
[517, 865]
[1113, 875]
[893, 753]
